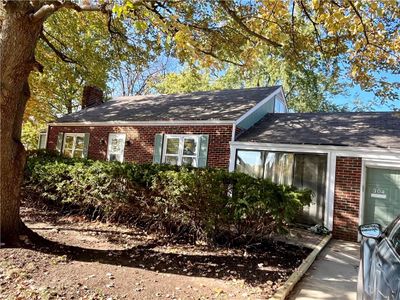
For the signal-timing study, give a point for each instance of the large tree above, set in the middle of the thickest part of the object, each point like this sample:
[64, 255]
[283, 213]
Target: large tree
[75, 50]
[364, 35]
[307, 89]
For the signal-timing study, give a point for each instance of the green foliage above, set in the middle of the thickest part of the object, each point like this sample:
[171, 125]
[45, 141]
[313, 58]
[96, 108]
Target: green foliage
[356, 40]
[91, 56]
[198, 204]
[30, 134]
[307, 89]
[84, 41]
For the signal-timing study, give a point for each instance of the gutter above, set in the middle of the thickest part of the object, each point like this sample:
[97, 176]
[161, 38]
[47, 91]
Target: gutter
[145, 123]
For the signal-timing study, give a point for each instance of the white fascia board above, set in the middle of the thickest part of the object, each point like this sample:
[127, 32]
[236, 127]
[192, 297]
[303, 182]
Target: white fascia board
[366, 152]
[259, 104]
[146, 123]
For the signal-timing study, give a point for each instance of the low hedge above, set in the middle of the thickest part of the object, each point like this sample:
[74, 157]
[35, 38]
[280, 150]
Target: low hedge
[197, 204]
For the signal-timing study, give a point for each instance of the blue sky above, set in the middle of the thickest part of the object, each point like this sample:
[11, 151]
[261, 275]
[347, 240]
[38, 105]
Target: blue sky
[365, 98]
[357, 94]
[352, 98]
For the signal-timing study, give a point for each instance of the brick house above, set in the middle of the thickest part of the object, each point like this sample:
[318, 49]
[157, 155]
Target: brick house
[351, 161]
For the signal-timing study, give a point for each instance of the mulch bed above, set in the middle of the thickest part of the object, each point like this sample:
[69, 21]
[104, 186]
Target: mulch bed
[93, 260]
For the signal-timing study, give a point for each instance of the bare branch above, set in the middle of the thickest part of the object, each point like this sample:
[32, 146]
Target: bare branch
[236, 18]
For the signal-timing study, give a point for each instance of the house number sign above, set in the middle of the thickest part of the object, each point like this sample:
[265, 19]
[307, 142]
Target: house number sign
[378, 193]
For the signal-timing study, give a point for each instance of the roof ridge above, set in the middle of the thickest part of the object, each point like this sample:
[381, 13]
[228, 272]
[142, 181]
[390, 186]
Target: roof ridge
[336, 112]
[274, 87]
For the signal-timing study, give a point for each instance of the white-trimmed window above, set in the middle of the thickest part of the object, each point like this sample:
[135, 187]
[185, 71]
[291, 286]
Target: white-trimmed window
[42, 140]
[116, 147]
[181, 150]
[74, 145]
[279, 106]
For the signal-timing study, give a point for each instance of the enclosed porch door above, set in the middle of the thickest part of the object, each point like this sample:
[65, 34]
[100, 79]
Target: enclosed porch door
[382, 196]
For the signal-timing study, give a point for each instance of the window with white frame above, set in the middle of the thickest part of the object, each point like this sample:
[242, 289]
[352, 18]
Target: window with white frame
[181, 150]
[116, 147]
[74, 145]
[279, 106]
[42, 140]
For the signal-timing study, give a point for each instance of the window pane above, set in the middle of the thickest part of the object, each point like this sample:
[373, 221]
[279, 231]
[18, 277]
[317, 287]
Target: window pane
[395, 240]
[389, 229]
[171, 160]
[189, 161]
[78, 153]
[68, 152]
[69, 142]
[117, 145]
[115, 157]
[42, 141]
[279, 106]
[310, 172]
[189, 147]
[279, 167]
[79, 142]
[172, 146]
[250, 162]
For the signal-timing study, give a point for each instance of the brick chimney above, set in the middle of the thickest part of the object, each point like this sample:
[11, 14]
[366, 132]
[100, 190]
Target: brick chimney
[91, 96]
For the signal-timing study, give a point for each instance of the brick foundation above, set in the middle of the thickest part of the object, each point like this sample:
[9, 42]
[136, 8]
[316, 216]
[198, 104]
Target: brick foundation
[347, 198]
[142, 137]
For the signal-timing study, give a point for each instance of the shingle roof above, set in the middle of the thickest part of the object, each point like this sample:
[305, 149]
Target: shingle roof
[369, 129]
[213, 105]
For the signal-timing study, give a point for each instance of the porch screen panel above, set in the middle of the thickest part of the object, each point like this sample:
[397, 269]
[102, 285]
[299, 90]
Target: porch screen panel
[250, 162]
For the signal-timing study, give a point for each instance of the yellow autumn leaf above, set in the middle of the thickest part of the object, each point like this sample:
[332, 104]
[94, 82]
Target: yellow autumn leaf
[373, 5]
[354, 71]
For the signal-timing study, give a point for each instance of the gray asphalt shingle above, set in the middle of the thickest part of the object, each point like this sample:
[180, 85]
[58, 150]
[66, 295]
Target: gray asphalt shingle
[376, 129]
[213, 105]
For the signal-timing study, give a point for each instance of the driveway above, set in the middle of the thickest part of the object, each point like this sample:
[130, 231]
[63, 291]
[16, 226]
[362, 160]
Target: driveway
[333, 275]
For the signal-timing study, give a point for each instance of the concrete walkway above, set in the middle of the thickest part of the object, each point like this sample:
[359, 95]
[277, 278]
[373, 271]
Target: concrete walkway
[333, 275]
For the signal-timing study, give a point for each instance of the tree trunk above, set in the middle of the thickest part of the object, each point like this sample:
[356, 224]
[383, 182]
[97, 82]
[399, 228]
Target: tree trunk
[18, 40]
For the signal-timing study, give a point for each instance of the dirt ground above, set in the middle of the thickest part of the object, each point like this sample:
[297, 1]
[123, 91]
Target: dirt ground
[93, 260]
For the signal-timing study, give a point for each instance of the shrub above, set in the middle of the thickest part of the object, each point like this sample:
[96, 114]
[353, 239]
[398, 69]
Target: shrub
[206, 204]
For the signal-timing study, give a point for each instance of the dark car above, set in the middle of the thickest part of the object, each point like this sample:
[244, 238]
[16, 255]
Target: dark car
[379, 274]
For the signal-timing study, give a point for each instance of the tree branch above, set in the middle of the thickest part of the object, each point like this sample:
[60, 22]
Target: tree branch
[361, 20]
[61, 55]
[45, 11]
[314, 24]
[52, 6]
[236, 18]
[212, 54]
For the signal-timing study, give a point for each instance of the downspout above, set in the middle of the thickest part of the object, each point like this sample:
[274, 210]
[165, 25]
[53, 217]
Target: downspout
[232, 152]
[47, 134]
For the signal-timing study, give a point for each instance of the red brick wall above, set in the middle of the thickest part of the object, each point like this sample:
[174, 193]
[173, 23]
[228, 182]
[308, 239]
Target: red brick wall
[142, 137]
[347, 198]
